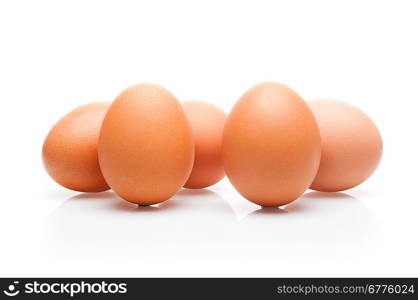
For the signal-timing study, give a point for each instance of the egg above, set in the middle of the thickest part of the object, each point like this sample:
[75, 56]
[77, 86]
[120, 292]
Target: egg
[146, 148]
[69, 152]
[351, 145]
[207, 123]
[271, 145]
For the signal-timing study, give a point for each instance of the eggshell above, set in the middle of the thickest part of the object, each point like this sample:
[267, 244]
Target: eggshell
[271, 145]
[207, 123]
[69, 152]
[146, 148]
[351, 145]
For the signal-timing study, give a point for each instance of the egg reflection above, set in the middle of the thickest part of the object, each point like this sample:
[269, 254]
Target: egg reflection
[200, 224]
[103, 222]
[335, 223]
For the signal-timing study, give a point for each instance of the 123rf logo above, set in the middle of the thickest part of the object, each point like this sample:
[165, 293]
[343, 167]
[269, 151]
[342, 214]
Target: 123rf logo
[65, 288]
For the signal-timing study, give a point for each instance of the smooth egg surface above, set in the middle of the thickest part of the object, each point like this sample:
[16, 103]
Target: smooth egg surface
[207, 123]
[271, 145]
[146, 148]
[69, 152]
[351, 145]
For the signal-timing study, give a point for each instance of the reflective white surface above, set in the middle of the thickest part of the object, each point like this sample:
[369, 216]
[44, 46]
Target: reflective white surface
[208, 233]
[199, 222]
[48, 231]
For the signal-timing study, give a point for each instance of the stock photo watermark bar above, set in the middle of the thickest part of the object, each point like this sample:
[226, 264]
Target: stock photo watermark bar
[194, 288]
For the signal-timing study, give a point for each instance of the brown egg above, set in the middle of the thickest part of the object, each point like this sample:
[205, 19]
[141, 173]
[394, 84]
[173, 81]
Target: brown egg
[69, 152]
[146, 148]
[271, 145]
[351, 145]
[207, 123]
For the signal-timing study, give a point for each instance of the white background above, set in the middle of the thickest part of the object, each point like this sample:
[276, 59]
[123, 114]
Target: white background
[56, 55]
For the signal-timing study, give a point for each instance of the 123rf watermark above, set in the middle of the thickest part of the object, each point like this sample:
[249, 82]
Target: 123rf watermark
[367, 289]
[64, 288]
